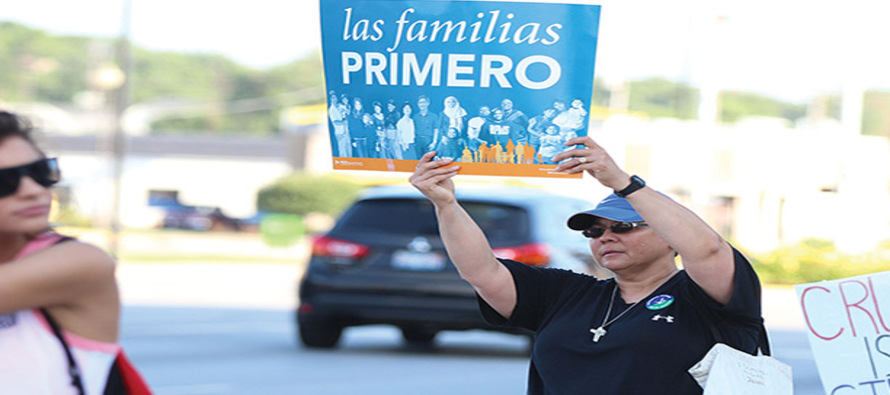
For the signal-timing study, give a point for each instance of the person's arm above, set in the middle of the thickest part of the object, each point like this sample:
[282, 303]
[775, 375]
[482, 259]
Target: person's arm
[464, 241]
[74, 280]
[707, 257]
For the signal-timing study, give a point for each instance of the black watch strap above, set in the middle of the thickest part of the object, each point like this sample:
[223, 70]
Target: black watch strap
[636, 183]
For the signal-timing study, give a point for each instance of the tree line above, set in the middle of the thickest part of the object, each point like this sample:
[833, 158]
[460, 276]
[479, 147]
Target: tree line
[225, 96]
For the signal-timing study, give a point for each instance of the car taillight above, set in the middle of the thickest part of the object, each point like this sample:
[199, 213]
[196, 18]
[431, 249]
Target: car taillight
[535, 254]
[336, 248]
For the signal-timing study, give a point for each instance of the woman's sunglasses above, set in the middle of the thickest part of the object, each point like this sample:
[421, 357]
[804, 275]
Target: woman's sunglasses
[44, 171]
[594, 232]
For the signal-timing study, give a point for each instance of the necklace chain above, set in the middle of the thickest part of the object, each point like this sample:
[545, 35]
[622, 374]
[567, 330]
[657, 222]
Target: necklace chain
[601, 330]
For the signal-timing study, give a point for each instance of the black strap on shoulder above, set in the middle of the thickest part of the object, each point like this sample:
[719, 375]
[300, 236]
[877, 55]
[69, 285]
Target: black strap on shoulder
[762, 342]
[73, 370]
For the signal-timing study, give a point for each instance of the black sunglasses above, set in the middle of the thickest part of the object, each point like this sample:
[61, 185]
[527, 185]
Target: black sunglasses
[594, 232]
[44, 171]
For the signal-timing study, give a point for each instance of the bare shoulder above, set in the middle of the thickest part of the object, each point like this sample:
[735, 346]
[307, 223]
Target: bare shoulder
[78, 254]
[79, 289]
[67, 274]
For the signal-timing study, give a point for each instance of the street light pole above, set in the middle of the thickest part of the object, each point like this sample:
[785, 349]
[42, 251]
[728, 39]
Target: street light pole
[118, 139]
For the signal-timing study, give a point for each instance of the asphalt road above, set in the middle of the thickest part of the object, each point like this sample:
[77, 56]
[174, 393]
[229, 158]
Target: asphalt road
[236, 351]
[204, 328]
[189, 350]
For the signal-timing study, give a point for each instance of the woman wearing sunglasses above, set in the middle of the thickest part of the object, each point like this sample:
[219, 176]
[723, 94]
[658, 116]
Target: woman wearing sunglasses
[636, 333]
[73, 282]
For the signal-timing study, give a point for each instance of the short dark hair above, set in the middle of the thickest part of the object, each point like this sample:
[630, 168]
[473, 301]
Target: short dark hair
[12, 125]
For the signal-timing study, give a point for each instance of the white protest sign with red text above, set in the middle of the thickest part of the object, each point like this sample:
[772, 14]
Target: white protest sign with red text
[848, 325]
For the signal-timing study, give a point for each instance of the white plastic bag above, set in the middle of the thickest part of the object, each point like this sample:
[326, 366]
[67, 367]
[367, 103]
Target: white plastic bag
[727, 371]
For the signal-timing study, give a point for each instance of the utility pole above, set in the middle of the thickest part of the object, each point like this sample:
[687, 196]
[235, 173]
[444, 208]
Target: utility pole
[710, 70]
[852, 103]
[118, 138]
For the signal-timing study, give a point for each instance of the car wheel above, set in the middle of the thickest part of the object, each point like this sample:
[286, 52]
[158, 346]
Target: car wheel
[319, 333]
[419, 336]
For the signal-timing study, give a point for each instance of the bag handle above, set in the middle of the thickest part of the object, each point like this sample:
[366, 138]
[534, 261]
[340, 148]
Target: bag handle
[73, 370]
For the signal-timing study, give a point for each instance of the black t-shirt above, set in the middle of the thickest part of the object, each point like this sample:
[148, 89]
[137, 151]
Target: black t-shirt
[646, 351]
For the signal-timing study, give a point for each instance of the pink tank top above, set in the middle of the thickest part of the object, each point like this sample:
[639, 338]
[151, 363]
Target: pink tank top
[32, 360]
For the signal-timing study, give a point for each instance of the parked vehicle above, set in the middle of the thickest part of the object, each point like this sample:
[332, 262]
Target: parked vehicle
[384, 263]
[198, 218]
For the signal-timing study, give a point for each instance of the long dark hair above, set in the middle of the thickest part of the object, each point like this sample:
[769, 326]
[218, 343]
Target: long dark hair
[12, 125]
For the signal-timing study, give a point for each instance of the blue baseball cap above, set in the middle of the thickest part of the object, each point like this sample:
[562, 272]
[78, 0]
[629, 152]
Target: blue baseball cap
[613, 207]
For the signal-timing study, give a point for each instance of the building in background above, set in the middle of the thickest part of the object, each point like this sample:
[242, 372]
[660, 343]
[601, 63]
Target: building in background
[202, 172]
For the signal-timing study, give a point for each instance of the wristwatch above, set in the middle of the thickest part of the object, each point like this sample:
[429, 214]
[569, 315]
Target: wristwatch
[635, 184]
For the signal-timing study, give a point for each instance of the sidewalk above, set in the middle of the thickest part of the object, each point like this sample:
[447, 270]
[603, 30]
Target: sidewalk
[161, 243]
[217, 269]
[248, 285]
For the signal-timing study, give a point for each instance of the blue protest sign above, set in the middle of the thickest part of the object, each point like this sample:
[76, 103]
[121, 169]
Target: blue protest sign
[498, 86]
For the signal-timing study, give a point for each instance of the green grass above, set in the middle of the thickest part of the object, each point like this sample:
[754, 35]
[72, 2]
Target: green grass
[163, 246]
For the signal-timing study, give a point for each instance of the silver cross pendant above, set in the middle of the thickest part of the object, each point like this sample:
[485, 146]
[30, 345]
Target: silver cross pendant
[598, 333]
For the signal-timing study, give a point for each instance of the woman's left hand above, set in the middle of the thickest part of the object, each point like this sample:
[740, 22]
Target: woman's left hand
[594, 159]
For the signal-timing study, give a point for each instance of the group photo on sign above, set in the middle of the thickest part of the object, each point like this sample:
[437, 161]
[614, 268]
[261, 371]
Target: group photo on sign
[487, 133]
[498, 86]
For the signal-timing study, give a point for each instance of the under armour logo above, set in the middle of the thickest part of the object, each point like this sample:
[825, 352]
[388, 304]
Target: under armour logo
[668, 318]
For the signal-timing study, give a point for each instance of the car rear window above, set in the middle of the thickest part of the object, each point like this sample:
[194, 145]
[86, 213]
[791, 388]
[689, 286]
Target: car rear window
[416, 217]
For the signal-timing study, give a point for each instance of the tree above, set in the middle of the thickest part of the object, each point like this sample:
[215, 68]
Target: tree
[659, 97]
[35, 66]
[737, 105]
[213, 92]
[216, 94]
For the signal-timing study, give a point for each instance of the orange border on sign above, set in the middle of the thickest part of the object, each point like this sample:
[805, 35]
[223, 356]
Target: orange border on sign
[477, 169]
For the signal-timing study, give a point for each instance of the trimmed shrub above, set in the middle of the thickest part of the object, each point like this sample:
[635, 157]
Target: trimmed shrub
[302, 194]
[815, 260]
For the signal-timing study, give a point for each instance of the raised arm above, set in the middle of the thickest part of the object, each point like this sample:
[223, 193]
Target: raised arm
[75, 281]
[464, 240]
[706, 256]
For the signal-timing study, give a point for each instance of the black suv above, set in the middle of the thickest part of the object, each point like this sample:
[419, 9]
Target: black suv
[383, 261]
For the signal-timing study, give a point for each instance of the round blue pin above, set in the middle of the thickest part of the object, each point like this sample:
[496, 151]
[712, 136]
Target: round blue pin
[659, 302]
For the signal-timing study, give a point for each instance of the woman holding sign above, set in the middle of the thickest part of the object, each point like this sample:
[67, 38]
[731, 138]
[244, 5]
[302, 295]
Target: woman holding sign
[636, 333]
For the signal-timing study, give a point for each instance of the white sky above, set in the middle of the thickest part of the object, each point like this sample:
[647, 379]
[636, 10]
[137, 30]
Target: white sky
[789, 49]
